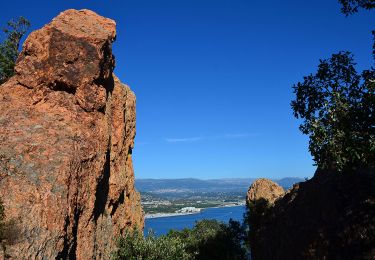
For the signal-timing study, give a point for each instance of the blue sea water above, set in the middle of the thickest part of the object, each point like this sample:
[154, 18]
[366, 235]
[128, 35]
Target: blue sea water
[162, 225]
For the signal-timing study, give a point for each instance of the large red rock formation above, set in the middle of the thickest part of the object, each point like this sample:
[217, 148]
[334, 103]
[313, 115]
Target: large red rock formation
[67, 128]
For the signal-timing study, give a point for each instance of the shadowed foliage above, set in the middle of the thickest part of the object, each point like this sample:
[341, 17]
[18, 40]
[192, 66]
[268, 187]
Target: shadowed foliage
[327, 217]
[352, 6]
[256, 212]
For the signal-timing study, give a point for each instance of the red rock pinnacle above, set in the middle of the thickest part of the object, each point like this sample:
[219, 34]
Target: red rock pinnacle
[67, 128]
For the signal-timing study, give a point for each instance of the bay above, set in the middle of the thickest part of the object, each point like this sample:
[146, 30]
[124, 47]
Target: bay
[162, 225]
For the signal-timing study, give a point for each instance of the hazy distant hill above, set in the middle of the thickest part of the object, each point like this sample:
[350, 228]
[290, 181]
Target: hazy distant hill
[196, 185]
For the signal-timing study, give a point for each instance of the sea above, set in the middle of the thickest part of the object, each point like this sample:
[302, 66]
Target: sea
[161, 225]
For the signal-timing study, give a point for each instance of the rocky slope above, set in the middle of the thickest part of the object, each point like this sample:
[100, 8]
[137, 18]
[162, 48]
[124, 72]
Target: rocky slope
[67, 128]
[330, 216]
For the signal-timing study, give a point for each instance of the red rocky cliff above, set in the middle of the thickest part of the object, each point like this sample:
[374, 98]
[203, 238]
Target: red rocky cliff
[67, 128]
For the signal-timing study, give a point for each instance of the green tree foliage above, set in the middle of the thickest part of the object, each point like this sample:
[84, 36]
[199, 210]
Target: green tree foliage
[337, 107]
[133, 246]
[209, 239]
[351, 6]
[14, 32]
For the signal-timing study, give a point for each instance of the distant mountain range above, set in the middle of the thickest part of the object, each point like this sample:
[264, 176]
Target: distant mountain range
[191, 185]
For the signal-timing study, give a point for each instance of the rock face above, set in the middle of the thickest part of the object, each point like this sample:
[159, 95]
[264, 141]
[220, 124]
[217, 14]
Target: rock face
[330, 216]
[67, 128]
[264, 189]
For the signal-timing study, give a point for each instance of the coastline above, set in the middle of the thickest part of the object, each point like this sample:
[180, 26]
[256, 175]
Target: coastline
[165, 215]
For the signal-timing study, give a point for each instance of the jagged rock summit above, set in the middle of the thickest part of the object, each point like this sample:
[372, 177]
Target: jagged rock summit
[264, 189]
[73, 54]
[67, 128]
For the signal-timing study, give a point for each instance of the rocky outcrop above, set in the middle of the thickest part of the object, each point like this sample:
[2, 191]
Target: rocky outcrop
[330, 216]
[264, 189]
[67, 128]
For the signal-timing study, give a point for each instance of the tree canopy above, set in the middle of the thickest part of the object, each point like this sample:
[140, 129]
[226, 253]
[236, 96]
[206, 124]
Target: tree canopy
[14, 31]
[352, 6]
[337, 106]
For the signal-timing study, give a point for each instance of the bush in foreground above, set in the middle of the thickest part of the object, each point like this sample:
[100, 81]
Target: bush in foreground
[208, 239]
[134, 246]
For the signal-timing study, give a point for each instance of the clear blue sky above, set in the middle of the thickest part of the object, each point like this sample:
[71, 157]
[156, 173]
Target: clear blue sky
[213, 78]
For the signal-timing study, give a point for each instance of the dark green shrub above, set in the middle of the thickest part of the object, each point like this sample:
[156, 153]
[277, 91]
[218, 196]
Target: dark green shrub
[134, 246]
[255, 217]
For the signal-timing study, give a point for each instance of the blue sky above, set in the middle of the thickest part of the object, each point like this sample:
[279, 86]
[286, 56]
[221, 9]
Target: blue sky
[213, 78]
